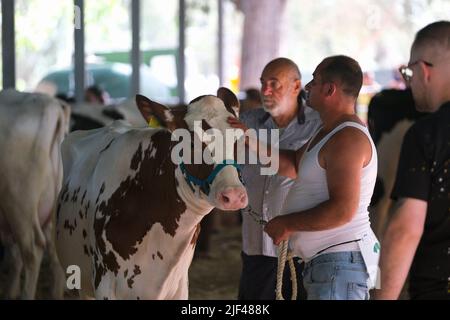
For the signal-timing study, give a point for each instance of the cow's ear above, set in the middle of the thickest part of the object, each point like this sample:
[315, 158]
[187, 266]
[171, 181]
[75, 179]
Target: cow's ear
[151, 110]
[230, 100]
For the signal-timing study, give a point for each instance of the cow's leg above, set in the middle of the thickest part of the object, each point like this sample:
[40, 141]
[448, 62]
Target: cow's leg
[13, 263]
[59, 278]
[31, 249]
[106, 290]
[32, 258]
[23, 222]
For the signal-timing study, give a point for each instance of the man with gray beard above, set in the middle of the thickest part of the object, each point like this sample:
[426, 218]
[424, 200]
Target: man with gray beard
[283, 111]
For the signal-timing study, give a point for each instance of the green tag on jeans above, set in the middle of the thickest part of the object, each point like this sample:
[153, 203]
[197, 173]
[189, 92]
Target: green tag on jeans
[376, 247]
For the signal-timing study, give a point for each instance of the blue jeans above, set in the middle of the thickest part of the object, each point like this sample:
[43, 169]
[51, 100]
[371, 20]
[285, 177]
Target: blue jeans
[336, 276]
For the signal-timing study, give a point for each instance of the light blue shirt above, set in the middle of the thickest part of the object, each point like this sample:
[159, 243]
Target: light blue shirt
[267, 193]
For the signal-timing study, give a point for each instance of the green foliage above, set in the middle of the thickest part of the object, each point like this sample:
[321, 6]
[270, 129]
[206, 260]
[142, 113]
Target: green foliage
[159, 24]
[108, 25]
[377, 33]
[41, 36]
[45, 32]
[199, 8]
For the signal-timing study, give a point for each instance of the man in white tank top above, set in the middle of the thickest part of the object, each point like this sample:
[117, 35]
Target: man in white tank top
[325, 214]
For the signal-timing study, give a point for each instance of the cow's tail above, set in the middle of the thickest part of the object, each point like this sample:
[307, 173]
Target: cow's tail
[62, 128]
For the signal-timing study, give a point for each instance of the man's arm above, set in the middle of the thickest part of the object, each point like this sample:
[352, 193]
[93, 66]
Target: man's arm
[399, 246]
[287, 160]
[344, 155]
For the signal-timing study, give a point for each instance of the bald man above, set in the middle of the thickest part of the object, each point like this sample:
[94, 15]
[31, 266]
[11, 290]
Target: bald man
[418, 236]
[284, 111]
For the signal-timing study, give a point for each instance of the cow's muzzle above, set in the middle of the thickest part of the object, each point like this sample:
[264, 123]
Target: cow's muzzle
[232, 199]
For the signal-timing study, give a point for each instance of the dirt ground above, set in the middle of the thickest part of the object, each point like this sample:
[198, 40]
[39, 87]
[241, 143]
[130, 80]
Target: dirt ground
[213, 278]
[217, 277]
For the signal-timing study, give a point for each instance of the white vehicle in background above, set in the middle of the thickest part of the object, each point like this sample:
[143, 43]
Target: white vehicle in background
[114, 78]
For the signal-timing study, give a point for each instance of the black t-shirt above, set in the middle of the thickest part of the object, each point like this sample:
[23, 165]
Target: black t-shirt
[424, 173]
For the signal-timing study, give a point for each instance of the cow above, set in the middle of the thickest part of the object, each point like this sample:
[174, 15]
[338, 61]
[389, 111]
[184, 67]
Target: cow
[130, 112]
[32, 127]
[128, 216]
[391, 113]
[86, 116]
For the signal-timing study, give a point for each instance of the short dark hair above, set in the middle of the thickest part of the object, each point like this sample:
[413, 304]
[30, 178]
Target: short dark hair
[345, 70]
[436, 33]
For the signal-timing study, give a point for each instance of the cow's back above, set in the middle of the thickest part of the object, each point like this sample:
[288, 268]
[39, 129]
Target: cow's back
[28, 124]
[102, 155]
[32, 127]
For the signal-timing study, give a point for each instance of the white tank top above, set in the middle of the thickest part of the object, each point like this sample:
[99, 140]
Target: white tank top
[310, 189]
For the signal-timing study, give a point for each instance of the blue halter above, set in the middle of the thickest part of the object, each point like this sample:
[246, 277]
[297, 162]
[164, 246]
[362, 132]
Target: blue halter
[205, 185]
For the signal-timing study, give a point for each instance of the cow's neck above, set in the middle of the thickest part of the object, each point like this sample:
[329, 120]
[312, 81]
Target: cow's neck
[195, 203]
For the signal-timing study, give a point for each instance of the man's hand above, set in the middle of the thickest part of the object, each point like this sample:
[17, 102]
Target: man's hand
[287, 159]
[237, 124]
[278, 230]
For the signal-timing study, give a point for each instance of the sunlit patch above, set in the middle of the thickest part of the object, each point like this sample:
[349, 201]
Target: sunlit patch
[168, 115]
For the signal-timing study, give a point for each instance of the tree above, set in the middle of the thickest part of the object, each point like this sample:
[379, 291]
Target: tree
[261, 37]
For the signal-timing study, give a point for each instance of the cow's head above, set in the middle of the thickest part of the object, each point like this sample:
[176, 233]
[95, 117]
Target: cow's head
[218, 181]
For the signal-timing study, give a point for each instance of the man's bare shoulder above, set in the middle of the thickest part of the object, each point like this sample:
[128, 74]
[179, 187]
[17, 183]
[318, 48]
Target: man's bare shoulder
[349, 138]
[349, 142]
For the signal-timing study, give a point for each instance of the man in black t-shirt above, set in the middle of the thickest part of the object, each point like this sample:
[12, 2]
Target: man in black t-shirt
[418, 237]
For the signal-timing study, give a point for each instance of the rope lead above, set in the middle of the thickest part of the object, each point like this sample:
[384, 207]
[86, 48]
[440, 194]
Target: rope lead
[282, 257]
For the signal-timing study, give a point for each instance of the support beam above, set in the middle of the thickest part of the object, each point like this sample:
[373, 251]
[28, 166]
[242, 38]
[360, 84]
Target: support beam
[8, 45]
[181, 72]
[79, 63]
[220, 57]
[135, 47]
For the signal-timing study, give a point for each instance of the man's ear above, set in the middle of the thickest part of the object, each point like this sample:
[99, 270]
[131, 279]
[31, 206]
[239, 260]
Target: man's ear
[426, 72]
[330, 89]
[150, 109]
[230, 100]
[297, 86]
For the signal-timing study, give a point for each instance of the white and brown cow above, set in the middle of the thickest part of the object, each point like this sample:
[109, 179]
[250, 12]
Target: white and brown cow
[32, 127]
[128, 217]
